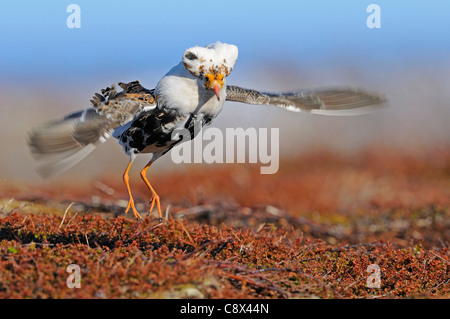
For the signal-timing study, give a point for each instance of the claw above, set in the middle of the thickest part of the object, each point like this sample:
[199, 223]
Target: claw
[155, 196]
[133, 208]
[126, 179]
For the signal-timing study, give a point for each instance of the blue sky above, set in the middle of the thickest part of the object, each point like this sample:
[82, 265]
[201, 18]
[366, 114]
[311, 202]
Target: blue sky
[130, 40]
[119, 36]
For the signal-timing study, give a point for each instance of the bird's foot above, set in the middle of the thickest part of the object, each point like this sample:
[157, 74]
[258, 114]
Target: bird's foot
[155, 199]
[133, 208]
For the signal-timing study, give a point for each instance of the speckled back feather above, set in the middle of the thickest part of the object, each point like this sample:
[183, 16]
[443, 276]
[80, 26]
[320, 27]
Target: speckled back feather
[121, 107]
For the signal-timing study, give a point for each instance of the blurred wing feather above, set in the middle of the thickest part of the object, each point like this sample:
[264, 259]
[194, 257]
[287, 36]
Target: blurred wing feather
[334, 101]
[61, 144]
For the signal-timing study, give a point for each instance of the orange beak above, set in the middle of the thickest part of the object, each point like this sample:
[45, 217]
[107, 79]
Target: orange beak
[216, 91]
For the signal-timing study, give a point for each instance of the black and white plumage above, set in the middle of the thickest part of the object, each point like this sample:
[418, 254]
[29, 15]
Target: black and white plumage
[191, 93]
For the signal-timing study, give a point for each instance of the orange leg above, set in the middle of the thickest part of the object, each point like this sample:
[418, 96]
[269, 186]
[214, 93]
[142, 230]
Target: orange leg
[126, 179]
[155, 197]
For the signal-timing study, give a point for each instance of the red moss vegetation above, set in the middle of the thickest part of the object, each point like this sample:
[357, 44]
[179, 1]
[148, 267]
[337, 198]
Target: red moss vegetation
[311, 230]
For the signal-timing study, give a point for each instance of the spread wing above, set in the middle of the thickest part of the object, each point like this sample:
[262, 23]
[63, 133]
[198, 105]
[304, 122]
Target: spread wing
[333, 101]
[121, 107]
[61, 144]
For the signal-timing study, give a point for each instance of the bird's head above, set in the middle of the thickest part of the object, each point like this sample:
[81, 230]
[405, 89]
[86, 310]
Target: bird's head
[211, 64]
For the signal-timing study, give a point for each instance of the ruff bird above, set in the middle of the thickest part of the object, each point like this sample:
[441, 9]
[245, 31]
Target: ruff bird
[191, 93]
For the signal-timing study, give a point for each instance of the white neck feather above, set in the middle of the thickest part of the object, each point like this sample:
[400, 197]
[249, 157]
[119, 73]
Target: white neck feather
[182, 91]
[183, 87]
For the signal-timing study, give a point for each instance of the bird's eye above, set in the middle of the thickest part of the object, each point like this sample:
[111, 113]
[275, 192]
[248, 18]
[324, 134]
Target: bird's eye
[206, 79]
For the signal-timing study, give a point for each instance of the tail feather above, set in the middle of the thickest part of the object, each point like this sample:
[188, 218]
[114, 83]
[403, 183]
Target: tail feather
[60, 145]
